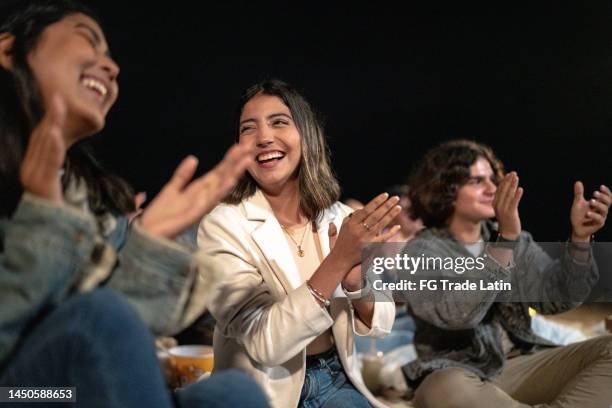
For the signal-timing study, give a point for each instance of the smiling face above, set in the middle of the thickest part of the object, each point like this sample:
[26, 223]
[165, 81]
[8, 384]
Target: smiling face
[71, 59]
[475, 198]
[268, 121]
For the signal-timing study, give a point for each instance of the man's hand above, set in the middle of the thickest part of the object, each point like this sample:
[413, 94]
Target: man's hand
[587, 217]
[506, 203]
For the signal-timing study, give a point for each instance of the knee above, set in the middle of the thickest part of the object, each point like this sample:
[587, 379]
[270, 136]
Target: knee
[225, 388]
[448, 387]
[103, 314]
[238, 381]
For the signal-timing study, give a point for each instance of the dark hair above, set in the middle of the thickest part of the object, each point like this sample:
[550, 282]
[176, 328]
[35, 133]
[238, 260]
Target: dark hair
[21, 109]
[438, 176]
[318, 186]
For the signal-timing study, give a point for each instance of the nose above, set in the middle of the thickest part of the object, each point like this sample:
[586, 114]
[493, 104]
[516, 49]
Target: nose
[491, 187]
[110, 67]
[264, 137]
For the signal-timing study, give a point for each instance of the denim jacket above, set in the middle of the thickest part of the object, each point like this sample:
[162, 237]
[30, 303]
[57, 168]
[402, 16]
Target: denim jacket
[459, 330]
[49, 251]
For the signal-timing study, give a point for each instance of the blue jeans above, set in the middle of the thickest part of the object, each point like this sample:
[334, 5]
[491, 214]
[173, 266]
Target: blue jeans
[327, 386]
[96, 343]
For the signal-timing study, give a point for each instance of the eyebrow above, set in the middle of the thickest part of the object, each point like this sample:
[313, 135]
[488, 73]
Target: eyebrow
[94, 34]
[272, 116]
[479, 177]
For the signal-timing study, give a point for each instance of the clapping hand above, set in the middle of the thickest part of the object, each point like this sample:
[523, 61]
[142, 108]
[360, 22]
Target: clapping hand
[183, 202]
[587, 217]
[505, 203]
[379, 212]
[45, 155]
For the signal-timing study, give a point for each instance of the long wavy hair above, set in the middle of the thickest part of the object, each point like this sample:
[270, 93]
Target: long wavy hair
[318, 186]
[21, 110]
[438, 176]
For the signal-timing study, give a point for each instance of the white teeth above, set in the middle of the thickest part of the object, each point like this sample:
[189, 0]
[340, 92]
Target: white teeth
[268, 156]
[95, 85]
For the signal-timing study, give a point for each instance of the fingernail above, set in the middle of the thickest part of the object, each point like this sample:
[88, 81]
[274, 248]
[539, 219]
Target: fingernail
[385, 195]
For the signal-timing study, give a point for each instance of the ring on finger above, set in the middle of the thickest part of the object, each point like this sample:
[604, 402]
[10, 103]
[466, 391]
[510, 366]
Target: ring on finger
[366, 226]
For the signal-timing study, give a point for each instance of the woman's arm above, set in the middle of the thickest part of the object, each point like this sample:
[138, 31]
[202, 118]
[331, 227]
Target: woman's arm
[161, 278]
[272, 331]
[44, 244]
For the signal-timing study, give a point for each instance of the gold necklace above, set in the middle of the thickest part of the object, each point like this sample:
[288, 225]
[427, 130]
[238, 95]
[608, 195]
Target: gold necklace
[299, 246]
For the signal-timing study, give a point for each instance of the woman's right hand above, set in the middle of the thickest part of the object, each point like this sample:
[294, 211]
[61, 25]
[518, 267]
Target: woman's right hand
[45, 155]
[366, 226]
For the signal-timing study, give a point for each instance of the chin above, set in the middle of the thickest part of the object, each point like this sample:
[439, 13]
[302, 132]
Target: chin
[488, 215]
[88, 121]
[94, 123]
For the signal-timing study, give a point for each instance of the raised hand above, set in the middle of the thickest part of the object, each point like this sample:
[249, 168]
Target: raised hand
[506, 203]
[353, 280]
[44, 157]
[587, 217]
[182, 202]
[365, 226]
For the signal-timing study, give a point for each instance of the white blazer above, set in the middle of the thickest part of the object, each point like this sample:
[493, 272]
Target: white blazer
[265, 314]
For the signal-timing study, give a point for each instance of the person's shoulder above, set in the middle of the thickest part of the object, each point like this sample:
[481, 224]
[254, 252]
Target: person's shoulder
[225, 212]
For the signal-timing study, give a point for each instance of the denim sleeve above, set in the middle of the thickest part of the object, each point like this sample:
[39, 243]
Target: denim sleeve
[43, 246]
[157, 277]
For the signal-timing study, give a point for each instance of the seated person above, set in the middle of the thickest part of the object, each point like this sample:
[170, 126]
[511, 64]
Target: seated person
[474, 348]
[80, 294]
[289, 308]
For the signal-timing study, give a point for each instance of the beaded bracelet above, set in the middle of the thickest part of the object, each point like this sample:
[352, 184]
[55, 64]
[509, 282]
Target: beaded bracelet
[318, 295]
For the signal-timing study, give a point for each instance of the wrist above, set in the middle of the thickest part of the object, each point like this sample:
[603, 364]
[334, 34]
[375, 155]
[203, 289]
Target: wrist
[143, 223]
[339, 262]
[509, 236]
[353, 286]
[583, 239]
[359, 293]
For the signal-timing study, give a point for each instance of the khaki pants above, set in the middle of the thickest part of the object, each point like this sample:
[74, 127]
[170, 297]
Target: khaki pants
[578, 375]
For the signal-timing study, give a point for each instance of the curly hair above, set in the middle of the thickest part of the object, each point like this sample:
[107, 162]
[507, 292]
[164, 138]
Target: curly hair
[440, 173]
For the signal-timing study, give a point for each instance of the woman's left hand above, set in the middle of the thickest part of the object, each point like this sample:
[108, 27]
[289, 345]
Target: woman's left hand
[587, 217]
[353, 280]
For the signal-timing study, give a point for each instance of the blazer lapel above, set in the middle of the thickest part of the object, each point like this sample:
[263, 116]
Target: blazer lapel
[271, 241]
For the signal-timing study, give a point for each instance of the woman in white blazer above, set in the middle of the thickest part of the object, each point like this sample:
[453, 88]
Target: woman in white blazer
[294, 294]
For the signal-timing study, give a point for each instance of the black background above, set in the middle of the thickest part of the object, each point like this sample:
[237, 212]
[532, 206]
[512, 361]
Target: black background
[533, 81]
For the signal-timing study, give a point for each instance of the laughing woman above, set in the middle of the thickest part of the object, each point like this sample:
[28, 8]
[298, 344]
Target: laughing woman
[63, 230]
[289, 307]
